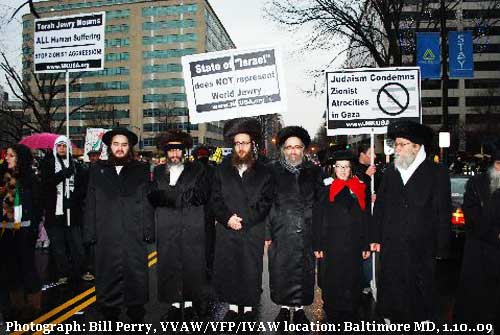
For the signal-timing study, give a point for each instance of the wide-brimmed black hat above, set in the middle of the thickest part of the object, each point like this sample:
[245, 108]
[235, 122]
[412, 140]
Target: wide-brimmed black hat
[93, 152]
[341, 155]
[132, 138]
[175, 136]
[293, 131]
[248, 126]
[412, 131]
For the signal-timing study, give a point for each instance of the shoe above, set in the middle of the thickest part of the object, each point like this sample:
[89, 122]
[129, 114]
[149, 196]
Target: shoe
[174, 314]
[46, 244]
[62, 280]
[299, 317]
[367, 290]
[231, 316]
[88, 276]
[189, 314]
[39, 244]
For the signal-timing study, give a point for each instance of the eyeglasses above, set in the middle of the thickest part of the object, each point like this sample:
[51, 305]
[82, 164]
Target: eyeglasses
[294, 147]
[241, 144]
[342, 167]
[394, 145]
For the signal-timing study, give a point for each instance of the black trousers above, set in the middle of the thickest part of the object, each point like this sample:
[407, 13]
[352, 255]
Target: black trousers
[66, 247]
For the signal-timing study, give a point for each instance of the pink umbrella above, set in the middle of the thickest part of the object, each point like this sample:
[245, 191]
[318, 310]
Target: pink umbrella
[41, 141]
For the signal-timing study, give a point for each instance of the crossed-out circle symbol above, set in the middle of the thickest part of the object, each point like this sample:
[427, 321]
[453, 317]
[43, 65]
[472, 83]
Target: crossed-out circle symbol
[403, 105]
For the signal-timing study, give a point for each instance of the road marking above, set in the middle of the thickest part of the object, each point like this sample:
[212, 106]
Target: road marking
[74, 300]
[70, 313]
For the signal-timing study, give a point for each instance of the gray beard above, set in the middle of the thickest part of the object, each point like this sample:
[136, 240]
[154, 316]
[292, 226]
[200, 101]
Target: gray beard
[402, 162]
[170, 164]
[494, 179]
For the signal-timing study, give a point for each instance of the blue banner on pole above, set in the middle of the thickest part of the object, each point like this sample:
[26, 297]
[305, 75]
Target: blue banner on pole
[461, 54]
[429, 55]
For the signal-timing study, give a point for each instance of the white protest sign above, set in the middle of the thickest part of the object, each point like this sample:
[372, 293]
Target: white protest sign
[234, 83]
[93, 142]
[69, 43]
[362, 100]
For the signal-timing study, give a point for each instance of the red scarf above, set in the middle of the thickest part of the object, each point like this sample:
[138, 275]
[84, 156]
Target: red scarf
[354, 184]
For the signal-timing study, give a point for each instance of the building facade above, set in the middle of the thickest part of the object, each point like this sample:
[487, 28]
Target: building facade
[473, 103]
[141, 86]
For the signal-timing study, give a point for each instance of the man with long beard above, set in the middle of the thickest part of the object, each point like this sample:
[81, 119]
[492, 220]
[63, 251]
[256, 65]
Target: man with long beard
[119, 220]
[411, 226]
[478, 298]
[181, 191]
[292, 263]
[241, 197]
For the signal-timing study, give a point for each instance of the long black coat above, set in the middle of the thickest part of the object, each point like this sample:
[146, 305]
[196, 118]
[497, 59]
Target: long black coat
[477, 299]
[120, 221]
[291, 255]
[181, 233]
[342, 234]
[412, 223]
[239, 254]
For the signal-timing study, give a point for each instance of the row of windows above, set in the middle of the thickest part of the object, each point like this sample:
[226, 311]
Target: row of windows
[107, 72]
[163, 97]
[487, 48]
[172, 82]
[171, 53]
[476, 101]
[167, 126]
[122, 28]
[169, 24]
[469, 83]
[117, 42]
[121, 99]
[213, 128]
[111, 85]
[86, 4]
[161, 112]
[117, 57]
[92, 115]
[169, 10]
[117, 14]
[151, 142]
[162, 68]
[148, 40]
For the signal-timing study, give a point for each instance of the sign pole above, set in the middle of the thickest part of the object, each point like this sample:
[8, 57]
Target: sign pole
[373, 282]
[68, 219]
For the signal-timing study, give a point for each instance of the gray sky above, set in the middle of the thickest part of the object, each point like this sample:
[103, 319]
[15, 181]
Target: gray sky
[244, 20]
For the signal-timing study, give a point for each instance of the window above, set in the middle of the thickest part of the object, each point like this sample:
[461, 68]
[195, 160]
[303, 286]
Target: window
[122, 28]
[124, 99]
[482, 83]
[436, 102]
[148, 40]
[162, 68]
[161, 112]
[171, 24]
[117, 57]
[482, 101]
[107, 72]
[171, 53]
[163, 97]
[169, 10]
[487, 66]
[173, 82]
[117, 14]
[117, 42]
[162, 126]
[89, 87]
[436, 84]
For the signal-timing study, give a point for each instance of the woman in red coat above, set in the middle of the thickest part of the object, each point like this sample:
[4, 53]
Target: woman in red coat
[341, 240]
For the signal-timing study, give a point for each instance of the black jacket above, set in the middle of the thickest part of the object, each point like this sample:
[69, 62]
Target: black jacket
[292, 263]
[412, 223]
[180, 219]
[238, 254]
[120, 221]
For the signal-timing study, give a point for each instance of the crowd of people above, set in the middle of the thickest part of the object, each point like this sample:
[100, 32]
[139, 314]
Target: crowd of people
[212, 224]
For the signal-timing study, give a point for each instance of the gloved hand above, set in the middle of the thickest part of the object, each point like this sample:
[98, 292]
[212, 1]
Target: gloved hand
[157, 198]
